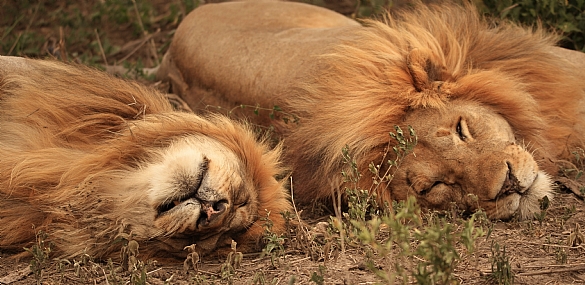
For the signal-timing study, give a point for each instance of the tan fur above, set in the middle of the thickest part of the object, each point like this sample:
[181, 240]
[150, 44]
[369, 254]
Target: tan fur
[431, 67]
[93, 160]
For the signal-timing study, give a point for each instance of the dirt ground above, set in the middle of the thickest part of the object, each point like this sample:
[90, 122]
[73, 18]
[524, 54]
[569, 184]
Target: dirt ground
[549, 250]
[538, 254]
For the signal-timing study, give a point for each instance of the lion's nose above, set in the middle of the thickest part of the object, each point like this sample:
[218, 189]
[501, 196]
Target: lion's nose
[212, 211]
[511, 183]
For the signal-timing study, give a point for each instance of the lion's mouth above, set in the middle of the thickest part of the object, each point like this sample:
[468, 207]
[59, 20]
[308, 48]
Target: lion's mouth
[187, 192]
[165, 208]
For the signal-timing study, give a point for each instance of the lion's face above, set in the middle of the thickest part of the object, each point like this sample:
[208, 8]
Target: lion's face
[199, 189]
[467, 154]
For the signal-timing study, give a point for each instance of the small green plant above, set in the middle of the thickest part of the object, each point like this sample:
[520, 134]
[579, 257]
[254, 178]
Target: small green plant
[113, 270]
[259, 278]
[40, 252]
[192, 260]
[580, 160]
[437, 249]
[79, 264]
[401, 146]
[576, 171]
[319, 278]
[431, 243]
[130, 263]
[400, 226]
[139, 276]
[232, 262]
[61, 265]
[129, 256]
[202, 279]
[544, 204]
[501, 269]
[274, 243]
[561, 255]
[363, 202]
[568, 212]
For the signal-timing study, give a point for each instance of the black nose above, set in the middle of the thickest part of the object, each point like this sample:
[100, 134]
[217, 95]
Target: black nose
[212, 211]
[511, 183]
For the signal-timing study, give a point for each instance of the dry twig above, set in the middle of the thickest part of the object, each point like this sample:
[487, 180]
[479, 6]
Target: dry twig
[151, 41]
[572, 268]
[97, 36]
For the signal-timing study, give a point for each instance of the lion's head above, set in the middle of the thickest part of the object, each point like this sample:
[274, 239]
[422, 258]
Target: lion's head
[493, 105]
[468, 157]
[91, 160]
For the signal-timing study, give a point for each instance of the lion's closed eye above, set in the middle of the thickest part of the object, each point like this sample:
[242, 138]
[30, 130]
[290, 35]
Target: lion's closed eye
[428, 190]
[462, 130]
[243, 204]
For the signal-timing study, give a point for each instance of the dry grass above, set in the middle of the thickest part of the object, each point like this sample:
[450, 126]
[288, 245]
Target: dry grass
[536, 254]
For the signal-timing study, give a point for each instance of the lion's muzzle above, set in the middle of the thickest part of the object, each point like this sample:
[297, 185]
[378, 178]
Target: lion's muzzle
[511, 184]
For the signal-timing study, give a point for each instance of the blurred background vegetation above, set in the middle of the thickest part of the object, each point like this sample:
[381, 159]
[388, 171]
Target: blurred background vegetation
[566, 17]
[91, 31]
[137, 32]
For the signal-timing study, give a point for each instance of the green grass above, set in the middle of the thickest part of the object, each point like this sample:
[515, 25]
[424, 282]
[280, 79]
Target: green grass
[90, 32]
[566, 17]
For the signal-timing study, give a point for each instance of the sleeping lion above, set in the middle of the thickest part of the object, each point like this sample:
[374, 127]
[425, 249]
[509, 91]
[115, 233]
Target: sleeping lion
[493, 106]
[92, 160]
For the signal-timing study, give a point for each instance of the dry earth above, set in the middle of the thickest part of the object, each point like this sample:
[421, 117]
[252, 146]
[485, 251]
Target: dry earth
[549, 251]
[538, 254]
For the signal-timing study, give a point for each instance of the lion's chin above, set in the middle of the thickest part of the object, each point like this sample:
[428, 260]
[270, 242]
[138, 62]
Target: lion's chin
[529, 202]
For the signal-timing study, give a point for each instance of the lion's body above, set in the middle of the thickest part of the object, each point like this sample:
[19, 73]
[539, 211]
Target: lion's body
[350, 84]
[261, 71]
[92, 160]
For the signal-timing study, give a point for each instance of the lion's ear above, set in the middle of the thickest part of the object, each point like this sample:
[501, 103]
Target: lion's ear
[428, 78]
[425, 69]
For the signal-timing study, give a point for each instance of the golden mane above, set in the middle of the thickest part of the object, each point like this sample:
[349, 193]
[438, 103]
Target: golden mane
[469, 58]
[71, 133]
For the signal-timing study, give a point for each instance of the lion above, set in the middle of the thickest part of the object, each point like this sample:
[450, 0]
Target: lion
[92, 162]
[492, 105]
